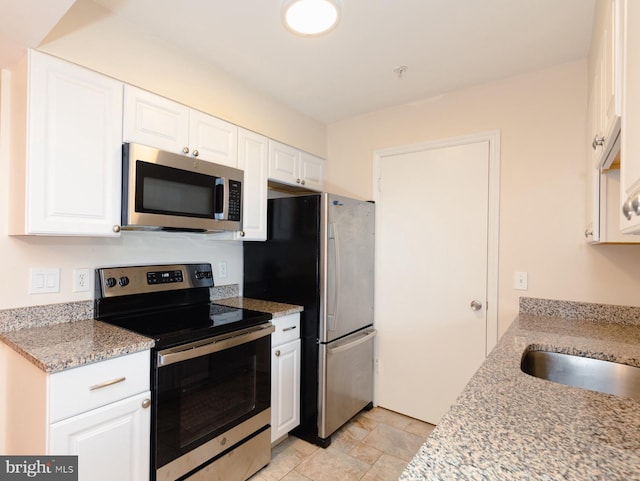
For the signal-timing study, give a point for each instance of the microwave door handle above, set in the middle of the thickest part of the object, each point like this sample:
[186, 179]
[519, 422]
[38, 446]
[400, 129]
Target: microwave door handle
[219, 207]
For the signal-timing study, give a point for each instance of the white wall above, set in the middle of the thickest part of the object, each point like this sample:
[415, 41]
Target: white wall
[90, 36]
[542, 118]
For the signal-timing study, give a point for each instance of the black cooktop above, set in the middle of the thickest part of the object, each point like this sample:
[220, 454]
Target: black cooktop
[168, 303]
[177, 325]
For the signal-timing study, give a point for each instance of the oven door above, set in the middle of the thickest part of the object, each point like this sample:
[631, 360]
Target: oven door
[210, 395]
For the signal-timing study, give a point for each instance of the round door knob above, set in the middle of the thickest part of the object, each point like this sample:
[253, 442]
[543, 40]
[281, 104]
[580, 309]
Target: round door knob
[476, 305]
[278, 353]
[302, 181]
[146, 403]
[297, 181]
[242, 233]
[588, 233]
[196, 153]
[116, 228]
[185, 150]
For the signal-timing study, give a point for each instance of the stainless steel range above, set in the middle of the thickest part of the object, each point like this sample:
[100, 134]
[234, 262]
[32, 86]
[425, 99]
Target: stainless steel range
[211, 372]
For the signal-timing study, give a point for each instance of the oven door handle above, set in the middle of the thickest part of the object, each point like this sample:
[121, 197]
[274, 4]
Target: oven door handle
[213, 344]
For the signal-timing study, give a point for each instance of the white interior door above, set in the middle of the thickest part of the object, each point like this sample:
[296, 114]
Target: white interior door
[432, 258]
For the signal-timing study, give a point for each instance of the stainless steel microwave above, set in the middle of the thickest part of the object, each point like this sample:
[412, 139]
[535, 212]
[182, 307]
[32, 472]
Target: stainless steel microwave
[167, 191]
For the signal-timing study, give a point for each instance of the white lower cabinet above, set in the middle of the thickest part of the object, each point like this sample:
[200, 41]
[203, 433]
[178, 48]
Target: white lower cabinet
[100, 412]
[112, 442]
[285, 376]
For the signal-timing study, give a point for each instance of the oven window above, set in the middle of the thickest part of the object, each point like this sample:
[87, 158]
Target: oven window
[166, 190]
[201, 398]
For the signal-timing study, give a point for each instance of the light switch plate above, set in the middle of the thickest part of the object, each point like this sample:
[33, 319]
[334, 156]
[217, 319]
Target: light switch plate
[42, 281]
[520, 281]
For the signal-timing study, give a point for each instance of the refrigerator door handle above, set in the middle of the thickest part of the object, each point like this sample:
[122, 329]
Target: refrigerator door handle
[332, 312]
[368, 334]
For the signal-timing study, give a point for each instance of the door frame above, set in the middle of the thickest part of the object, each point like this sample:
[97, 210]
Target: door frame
[493, 226]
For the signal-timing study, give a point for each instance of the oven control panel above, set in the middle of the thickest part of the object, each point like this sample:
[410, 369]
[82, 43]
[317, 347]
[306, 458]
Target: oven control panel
[123, 281]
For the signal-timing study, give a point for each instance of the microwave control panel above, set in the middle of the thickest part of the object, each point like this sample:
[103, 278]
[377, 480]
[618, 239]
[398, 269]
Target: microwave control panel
[235, 200]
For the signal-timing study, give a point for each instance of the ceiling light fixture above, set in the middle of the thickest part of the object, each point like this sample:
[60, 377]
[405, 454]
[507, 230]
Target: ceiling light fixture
[310, 17]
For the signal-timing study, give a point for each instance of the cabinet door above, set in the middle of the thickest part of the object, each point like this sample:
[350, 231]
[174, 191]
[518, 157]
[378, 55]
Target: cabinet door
[611, 74]
[74, 149]
[253, 157]
[155, 121]
[285, 388]
[213, 139]
[284, 163]
[312, 171]
[630, 140]
[112, 442]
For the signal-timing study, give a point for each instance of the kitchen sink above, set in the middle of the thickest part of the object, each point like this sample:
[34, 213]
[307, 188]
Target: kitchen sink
[583, 372]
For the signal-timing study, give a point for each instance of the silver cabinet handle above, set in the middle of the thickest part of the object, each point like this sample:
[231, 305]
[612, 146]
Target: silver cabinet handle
[278, 353]
[588, 233]
[185, 150]
[107, 383]
[297, 181]
[302, 181]
[597, 142]
[626, 209]
[116, 228]
[195, 153]
[242, 233]
[146, 403]
[635, 203]
[476, 305]
[289, 328]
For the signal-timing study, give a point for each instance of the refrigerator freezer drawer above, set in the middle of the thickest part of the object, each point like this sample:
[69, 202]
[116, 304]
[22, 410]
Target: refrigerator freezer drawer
[346, 379]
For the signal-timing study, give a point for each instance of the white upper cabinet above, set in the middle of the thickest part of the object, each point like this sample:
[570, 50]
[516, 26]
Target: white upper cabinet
[312, 171]
[66, 149]
[156, 121]
[291, 166]
[630, 140]
[253, 158]
[606, 87]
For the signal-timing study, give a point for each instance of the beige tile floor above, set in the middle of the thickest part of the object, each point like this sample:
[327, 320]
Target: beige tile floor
[374, 446]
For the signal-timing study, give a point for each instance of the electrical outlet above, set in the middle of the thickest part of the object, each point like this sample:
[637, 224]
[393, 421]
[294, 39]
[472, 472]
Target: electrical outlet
[81, 280]
[222, 269]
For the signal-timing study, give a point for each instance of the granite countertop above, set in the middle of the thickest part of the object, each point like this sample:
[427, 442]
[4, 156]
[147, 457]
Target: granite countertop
[61, 346]
[276, 309]
[63, 336]
[507, 425]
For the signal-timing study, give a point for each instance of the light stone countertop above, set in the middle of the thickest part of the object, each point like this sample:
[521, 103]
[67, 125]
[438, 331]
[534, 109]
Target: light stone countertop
[276, 309]
[55, 337]
[507, 425]
[61, 346]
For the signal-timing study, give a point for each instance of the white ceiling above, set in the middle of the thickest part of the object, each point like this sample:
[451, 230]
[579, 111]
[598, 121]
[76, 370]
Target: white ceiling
[446, 45]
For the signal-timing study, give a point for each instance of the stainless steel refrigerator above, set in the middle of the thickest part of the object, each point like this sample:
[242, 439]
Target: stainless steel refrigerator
[319, 254]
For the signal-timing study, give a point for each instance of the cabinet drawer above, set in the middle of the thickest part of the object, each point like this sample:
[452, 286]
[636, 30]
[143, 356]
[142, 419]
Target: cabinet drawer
[287, 329]
[87, 387]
